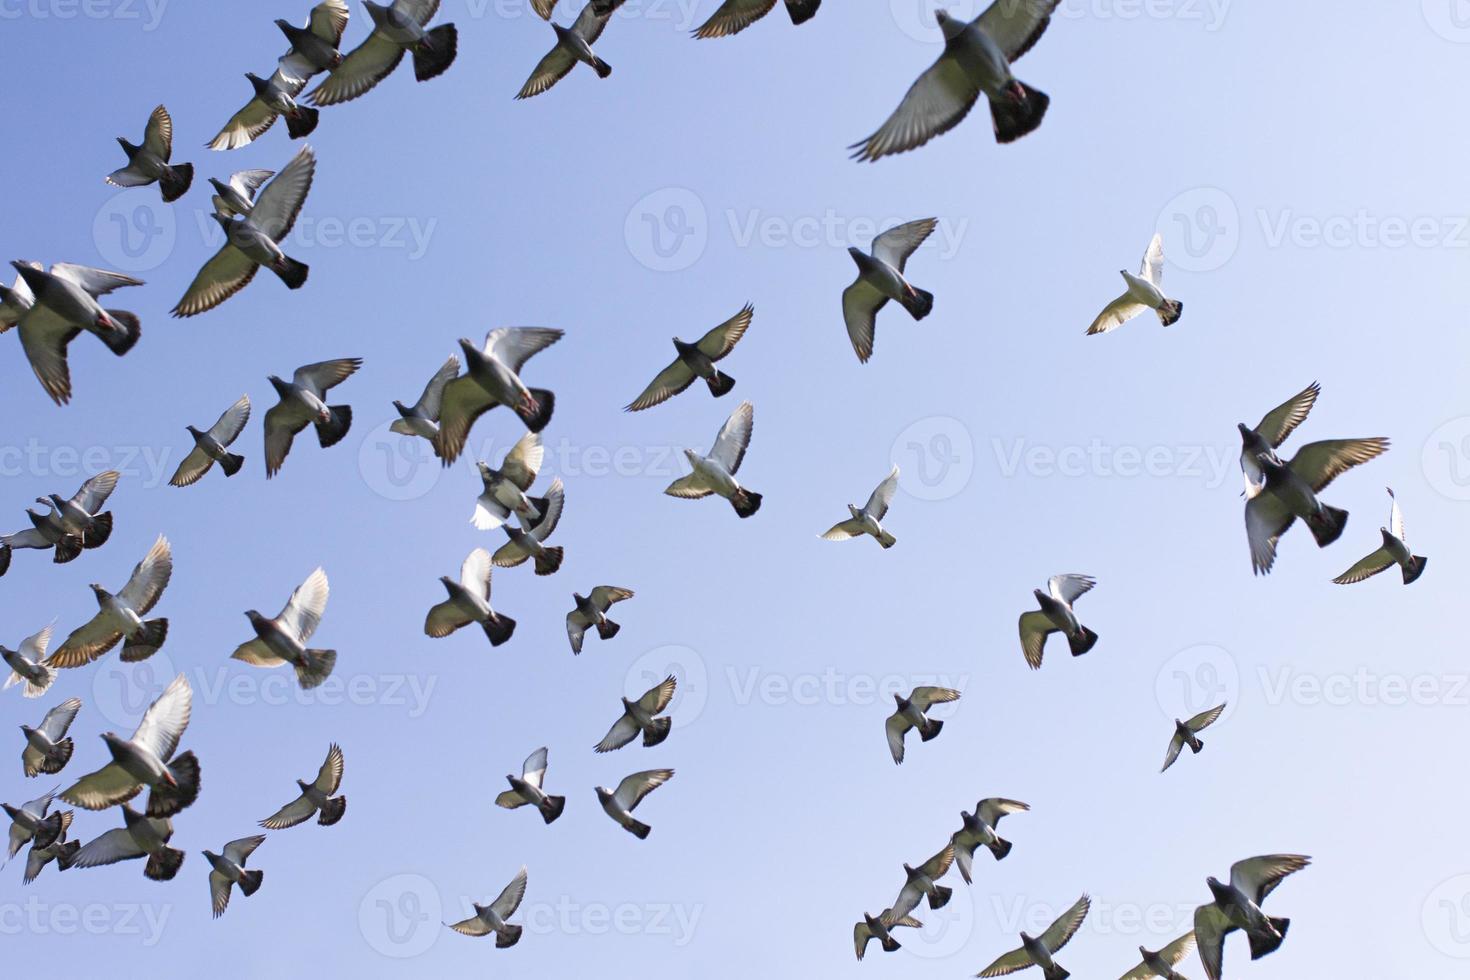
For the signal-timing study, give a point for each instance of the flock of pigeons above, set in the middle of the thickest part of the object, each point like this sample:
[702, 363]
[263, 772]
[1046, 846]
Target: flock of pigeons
[257, 209]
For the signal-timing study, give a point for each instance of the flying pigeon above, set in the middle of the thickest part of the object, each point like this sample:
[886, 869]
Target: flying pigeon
[1237, 905]
[316, 797]
[397, 27]
[573, 44]
[1039, 950]
[880, 278]
[47, 748]
[697, 360]
[620, 803]
[491, 918]
[1185, 733]
[60, 850]
[641, 716]
[976, 60]
[81, 517]
[140, 835]
[469, 602]
[1056, 616]
[315, 48]
[15, 301]
[1162, 963]
[492, 377]
[1271, 432]
[1395, 551]
[877, 928]
[505, 489]
[979, 828]
[29, 823]
[526, 789]
[866, 521]
[283, 640]
[527, 543]
[922, 882]
[27, 664]
[1144, 292]
[237, 195]
[274, 96]
[423, 418]
[302, 403]
[910, 714]
[592, 611]
[63, 303]
[229, 869]
[120, 616]
[147, 759]
[735, 16]
[211, 446]
[253, 240]
[715, 473]
[149, 163]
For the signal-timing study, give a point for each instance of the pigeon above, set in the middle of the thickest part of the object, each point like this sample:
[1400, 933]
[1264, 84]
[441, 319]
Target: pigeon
[139, 836]
[316, 797]
[397, 27]
[48, 750]
[910, 714]
[229, 869]
[315, 48]
[866, 521]
[1290, 491]
[573, 44]
[1039, 950]
[979, 828]
[697, 360]
[505, 489]
[283, 640]
[63, 302]
[29, 823]
[491, 918]
[527, 543]
[120, 616]
[27, 664]
[1144, 292]
[274, 96]
[237, 195]
[1185, 733]
[147, 759]
[880, 278]
[1237, 905]
[60, 850]
[921, 882]
[641, 716]
[469, 602]
[492, 377]
[15, 301]
[423, 418]
[1056, 616]
[592, 611]
[976, 60]
[41, 536]
[735, 16]
[1271, 432]
[1395, 551]
[81, 518]
[148, 163]
[253, 240]
[621, 802]
[715, 473]
[871, 928]
[1162, 963]
[302, 403]
[526, 789]
[211, 446]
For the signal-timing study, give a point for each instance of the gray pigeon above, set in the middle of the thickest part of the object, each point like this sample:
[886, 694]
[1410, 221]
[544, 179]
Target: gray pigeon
[399, 27]
[1039, 950]
[922, 882]
[138, 837]
[866, 521]
[316, 797]
[237, 195]
[591, 611]
[283, 640]
[26, 664]
[642, 716]
[469, 602]
[1395, 551]
[505, 489]
[573, 44]
[120, 616]
[1162, 963]
[63, 302]
[976, 61]
[734, 16]
[880, 279]
[60, 850]
[877, 928]
[979, 828]
[910, 713]
[229, 869]
[29, 823]
[315, 48]
[48, 750]
[1056, 616]
[15, 301]
[621, 802]
[697, 360]
[526, 789]
[715, 473]
[81, 517]
[148, 163]
[212, 446]
[1237, 905]
[146, 760]
[1187, 733]
[527, 542]
[274, 96]
[1144, 292]
[491, 918]
[302, 403]
[1271, 432]
[492, 377]
[422, 419]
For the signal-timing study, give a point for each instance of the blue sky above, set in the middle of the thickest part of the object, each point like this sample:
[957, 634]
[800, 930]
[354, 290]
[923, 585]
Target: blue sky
[1312, 201]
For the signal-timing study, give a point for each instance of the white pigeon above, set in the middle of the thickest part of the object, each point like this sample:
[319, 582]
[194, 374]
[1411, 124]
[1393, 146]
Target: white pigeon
[1056, 616]
[120, 616]
[316, 796]
[212, 446]
[1237, 905]
[526, 789]
[1186, 733]
[922, 882]
[1395, 551]
[146, 759]
[228, 869]
[573, 44]
[27, 664]
[979, 828]
[1162, 962]
[715, 473]
[29, 823]
[422, 419]
[529, 542]
[303, 402]
[880, 278]
[491, 918]
[237, 195]
[734, 16]
[867, 520]
[283, 640]
[697, 360]
[1144, 292]
[910, 713]
[877, 928]
[492, 377]
[150, 161]
[642, 716]
[591, 611]
[398, 28]
[138, 837]
[47, 748]
[505, 490]
[1039, 950]
[621, 802]
[469, 602]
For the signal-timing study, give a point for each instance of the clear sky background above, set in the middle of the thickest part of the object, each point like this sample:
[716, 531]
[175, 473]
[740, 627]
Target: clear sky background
[1306, 165]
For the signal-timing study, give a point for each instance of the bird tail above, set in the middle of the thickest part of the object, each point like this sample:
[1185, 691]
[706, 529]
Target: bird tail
[1055, 972]
[509, 935]
[539, 503]
[291, 272]
[165, 801]
[802, 11]
[602, 68]
[999, 847]
[332, 811]
[58, 757]
[231, 463]
[940, 896]
[1263, 943]
[35, 689]
[1085, 640]
[67, 549]
[930, 728]
[101, 531]
[176, 181]
[552, 808]
[146, 641]
[1327, 526]
[1016, 111]
[332, 431]
[536, 420]
[68, 854]
[302, 122]
[656, 732]
[1411, 571]
[121, 341]
[549, 560]
[1196, 744]
[164, 865]
[719, 383]
[887, 540]
[919, 302]
[49, 829]
[639, 829]
[435, 53]
[316, 667]
[891, 945]
[607, 629]
[250, 881]
[746, 502]
[5, 552]
[499, 629]
[1170, 312]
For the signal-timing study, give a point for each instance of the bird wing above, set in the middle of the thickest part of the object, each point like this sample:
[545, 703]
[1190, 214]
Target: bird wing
[104, 788]
[514, 346]
[937, 102]
[860, 305]
[329, 20]
[256, 654]
[433, 395]
[1319, 463]
[623, 731]
[1035, 628]
[690, 487]
[1266, 519]
[734, 438]
[279, 202]
[1176, 745]
[444, 618]
[1016, 959]
[1152, 267]
[990, 810]
[1366, 567]
[1115, 314]
[90, 496]
[589, 24]
[219, 893]
[321, 377]
[297, 811]
[938, 865]
[59, 718]
[224, 275]
[282, 422]
[1205, 718]
[329, 776]
[34, 646]
[605, 595]
[923, 697]
[671, 381]
[97, 282]
[158, 134]
[474, 573]
[86, 643]
[113, 846]
[303, 611]
[1210, 928]
[164, 722]
[510, 897]
[1069, 588]
[657, 698]
[1282, 420]
[551, 514]
[240, 850]
[634, 788]
[1175, 952]
[882, 496]
[1396, 519]
[473, 926]
[149, 579]
[1060, 932]
[524, 460]
[533, 770]
[577, 629]
[247, 125]
[552, 68]
[734, 16]
[364, 67]
[464, 402]
[721, 340]
[1016, 25]
[422, 11]
[895, 728]
[230, 424]
[44, 337]
[843, 531]
[1258, 877]
[895, 245]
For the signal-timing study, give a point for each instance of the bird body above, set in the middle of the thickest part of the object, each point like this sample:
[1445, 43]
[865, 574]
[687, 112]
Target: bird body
[620, 803]
[316, 796]
[149, 163]
[228, 868]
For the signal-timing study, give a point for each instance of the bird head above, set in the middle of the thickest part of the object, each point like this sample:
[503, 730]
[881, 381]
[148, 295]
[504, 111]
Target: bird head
[691, 455]
[578, 598]
[5, 294]
[111, 740]
[256, 619]
[472, 354]
[256, 82]
[285, 26]
[1216, 888]
[1026, 940]
[908, 870]
[486, 470]
[1143, 951]
[627, 703]
[98, 591]
[219, 185]
[27, 729]
[33, 277]
[1246, 432]
[193, 431]
[857, 254]
[852, 510]
[210, 856]
[281, 387]
[402, 408]
[15, 814]
[1041, 597]
[602, 793]
[448, 582]
[950, 25]
[224, 221]
[303, 785]
[128, 148]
